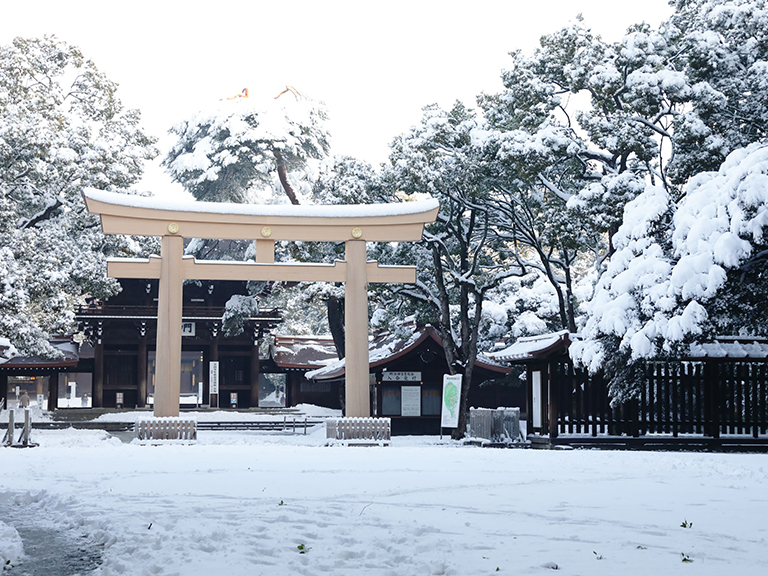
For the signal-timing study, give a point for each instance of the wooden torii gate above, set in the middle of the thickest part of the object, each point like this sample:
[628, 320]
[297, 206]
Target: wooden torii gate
[174, 221]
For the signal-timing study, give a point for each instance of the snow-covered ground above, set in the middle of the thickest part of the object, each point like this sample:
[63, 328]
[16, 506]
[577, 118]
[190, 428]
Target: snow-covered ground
[251, 503]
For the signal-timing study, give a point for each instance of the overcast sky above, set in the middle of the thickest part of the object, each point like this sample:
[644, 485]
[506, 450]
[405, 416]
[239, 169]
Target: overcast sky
[375, 64]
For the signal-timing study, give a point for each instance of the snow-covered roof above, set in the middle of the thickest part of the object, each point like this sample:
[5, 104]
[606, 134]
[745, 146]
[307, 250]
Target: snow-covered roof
[530, 347]
[303, 351]
[305, 210]
[533, 347]
[386, 346]
[731, 347]
[68, 349]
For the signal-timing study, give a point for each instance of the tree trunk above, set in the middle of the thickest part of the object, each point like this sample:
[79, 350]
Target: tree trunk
[283, 175]
[335, 308]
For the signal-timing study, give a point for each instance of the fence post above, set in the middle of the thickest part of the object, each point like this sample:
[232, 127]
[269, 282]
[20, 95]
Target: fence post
[8, 438]
[554, 391]
[27, 428]
[712, 401]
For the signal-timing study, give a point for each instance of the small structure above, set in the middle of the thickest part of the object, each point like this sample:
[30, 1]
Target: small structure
[120, 355]
[353, 225]
[297, 355]
[36, 377]
[718, 392]
[406, 379]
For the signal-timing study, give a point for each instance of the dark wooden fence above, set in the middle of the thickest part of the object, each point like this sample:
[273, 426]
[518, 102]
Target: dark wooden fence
[705, 398]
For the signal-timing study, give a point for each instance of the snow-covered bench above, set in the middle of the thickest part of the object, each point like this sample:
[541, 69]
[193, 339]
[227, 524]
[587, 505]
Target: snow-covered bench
[359, 431]
[166, 431]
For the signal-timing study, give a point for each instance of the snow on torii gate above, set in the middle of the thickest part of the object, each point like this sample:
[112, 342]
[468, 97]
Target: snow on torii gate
[174, 221]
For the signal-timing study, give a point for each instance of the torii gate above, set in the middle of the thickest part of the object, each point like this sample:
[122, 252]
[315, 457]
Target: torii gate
[351, 224]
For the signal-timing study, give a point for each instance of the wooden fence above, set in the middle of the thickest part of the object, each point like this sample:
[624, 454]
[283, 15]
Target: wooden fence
[359, 430]
[705, 398]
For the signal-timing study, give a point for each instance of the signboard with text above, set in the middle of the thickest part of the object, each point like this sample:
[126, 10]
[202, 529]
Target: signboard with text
[449, 413]
[410, 398]
[213, 377]
[401, 376]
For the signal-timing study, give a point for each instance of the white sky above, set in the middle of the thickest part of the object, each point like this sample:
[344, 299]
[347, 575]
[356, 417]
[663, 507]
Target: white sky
[375, 65]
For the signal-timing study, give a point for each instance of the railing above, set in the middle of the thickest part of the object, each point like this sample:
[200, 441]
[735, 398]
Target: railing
[359, 430]
[162, 430]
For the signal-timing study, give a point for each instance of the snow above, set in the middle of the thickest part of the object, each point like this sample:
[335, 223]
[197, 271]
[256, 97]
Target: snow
[301, 211]
[250, 503]
[11, 548]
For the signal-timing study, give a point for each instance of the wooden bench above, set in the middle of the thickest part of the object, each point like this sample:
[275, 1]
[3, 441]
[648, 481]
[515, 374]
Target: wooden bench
[166, 431]
[358, 431]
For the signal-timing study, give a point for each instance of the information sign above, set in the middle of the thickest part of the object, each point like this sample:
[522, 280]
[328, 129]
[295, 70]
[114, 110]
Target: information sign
[401, 376]
[410, 397]
[213, 377]
[449, 414]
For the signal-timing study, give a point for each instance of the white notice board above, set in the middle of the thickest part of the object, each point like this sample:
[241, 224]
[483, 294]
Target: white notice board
[213, 377]
[410, 400]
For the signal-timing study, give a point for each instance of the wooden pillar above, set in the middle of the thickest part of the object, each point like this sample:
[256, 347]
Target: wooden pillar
[53, 391]
[265, 251]
[255, 369]
[142, 361]
[552, 397]
[358, 402]
[169, 302]
[98, 369]
[4, 390]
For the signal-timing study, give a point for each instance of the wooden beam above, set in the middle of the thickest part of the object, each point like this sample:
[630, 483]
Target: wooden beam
[227, 270]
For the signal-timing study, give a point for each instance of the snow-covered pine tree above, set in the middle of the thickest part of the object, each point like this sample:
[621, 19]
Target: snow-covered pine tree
[249, 149]
[62, 128]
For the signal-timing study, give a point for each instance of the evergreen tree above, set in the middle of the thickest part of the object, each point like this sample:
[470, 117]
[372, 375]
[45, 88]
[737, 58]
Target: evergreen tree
[62, 128]
[244, 149]
[683, 271]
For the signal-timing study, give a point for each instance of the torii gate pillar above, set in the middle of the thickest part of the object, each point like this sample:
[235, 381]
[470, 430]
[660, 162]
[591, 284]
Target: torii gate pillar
[356, 394]
[169, 310]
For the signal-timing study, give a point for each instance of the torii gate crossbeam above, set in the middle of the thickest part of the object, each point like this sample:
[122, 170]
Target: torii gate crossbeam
[353, 225]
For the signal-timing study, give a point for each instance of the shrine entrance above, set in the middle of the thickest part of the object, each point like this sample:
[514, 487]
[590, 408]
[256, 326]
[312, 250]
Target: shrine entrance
[352, 224]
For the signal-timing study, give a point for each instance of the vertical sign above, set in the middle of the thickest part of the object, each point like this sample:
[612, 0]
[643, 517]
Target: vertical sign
[449, 414]
[536, 399]
[213, 383]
